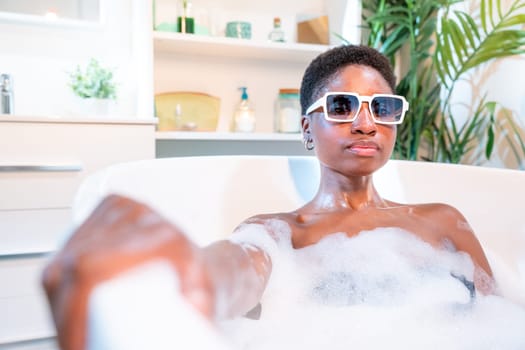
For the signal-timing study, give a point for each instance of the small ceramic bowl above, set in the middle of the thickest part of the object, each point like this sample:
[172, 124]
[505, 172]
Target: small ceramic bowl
[238, 29]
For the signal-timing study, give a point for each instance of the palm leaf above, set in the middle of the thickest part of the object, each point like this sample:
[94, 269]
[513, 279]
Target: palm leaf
[498, 41]
[469, 28]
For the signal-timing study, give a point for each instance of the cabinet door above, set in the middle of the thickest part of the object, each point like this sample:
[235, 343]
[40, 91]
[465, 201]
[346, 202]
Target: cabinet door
[23, 309]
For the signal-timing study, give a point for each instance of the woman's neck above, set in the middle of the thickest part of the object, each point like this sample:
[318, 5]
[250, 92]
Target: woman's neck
[339, 193]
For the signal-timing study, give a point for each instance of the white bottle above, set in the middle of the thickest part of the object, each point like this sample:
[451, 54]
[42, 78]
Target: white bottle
[244, 116]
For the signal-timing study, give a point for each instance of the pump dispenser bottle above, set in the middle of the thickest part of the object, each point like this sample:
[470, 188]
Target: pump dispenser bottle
[244, 116]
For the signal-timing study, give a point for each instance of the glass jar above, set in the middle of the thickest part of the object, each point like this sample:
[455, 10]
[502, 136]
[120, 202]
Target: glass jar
[288, 111]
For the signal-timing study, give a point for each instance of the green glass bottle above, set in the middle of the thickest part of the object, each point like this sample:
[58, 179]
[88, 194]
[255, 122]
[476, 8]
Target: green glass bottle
[185, 22]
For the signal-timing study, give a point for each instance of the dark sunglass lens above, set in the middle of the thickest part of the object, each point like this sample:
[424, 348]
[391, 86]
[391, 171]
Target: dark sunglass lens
[386, 108]
[341, 106]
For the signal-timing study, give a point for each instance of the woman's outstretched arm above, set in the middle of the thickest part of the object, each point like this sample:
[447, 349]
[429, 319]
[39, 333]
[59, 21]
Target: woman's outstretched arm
[222, 280]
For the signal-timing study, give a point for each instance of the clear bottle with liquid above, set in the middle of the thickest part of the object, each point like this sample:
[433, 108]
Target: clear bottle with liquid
[6, 94]
[277, 34]
[244, 116]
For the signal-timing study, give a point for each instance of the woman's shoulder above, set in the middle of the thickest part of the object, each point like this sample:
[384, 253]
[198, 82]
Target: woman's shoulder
[439, 210]
[450, 223]
[439, 221]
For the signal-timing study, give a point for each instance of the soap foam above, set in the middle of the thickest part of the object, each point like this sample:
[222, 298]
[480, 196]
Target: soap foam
[384, 288]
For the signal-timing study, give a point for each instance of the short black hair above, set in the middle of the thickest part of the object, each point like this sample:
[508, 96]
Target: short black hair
[323, 67]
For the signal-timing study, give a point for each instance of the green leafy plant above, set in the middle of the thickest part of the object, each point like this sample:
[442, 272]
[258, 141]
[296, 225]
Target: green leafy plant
[94, 81]
[434, 47]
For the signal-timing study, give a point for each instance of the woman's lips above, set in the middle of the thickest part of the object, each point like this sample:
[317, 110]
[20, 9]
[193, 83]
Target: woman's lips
[363, 148]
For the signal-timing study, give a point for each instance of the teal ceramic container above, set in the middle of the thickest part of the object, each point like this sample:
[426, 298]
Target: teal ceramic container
[238, 29]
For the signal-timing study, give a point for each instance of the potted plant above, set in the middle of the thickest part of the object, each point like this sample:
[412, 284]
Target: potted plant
[95, 87]
[435, 46]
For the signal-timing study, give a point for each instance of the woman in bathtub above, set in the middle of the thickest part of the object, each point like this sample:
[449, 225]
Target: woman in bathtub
[350, 115]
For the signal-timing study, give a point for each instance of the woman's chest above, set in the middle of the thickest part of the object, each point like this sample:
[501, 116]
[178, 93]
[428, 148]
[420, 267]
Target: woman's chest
[310, 229]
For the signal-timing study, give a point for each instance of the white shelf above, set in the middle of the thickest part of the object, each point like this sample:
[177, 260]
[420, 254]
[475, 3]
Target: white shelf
[191, 44]
[225, 136]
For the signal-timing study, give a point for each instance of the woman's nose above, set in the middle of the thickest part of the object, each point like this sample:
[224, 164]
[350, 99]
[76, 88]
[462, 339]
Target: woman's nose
[364, 122]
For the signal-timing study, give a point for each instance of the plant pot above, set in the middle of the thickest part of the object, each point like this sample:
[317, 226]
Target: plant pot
[93, 107]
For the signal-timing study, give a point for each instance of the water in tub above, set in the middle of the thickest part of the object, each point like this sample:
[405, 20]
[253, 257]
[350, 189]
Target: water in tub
[383, 289]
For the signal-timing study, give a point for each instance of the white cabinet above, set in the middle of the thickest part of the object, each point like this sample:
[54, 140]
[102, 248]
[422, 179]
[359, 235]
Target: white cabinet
[42, 162]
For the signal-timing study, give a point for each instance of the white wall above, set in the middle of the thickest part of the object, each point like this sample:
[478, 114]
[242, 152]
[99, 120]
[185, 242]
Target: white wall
[39, 57]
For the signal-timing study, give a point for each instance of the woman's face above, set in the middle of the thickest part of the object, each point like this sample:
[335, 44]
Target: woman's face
[360, 147]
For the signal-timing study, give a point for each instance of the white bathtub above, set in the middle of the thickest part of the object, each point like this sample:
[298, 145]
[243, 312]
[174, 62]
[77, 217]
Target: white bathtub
[209, 196]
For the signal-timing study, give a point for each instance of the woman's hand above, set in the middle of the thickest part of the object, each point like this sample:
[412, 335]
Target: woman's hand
[119, 234]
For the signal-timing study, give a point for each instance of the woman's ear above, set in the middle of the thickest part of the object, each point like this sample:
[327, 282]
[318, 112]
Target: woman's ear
[305, 124]
[307, 133]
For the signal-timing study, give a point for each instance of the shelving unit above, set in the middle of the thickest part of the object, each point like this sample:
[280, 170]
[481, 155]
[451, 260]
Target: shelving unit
[218, 66]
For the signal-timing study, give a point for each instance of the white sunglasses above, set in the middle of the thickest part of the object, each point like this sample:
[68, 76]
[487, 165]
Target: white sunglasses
[343, 107]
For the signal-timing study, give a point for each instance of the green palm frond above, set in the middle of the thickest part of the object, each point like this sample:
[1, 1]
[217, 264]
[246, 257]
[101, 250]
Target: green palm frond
[461, 45]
